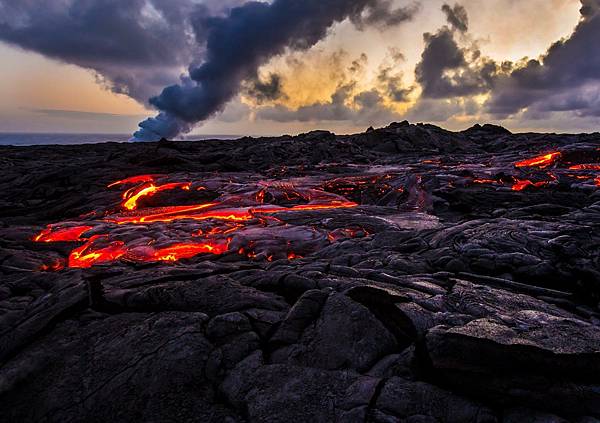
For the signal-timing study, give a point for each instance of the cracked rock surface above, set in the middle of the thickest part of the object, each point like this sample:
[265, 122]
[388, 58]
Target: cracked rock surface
[443, 291]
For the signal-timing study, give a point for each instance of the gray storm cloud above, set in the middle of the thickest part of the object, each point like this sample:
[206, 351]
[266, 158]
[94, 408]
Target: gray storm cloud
[565, 78]
[139, 47]
[447, 70]
[240, 42]
[136, 47]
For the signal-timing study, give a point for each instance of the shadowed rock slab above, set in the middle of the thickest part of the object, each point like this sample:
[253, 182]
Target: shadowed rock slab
[439, 283]
[130, 367]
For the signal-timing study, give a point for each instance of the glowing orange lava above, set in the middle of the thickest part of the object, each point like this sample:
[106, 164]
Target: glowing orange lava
[56, 266]
[211, 232]
[239, 217]
[170, 214]
[181, 251]
[309, 207]
[522, 184]
[52, 234]
[133, 197]
[134, 180]
[540, 161]
[585, 167]
[87, 255]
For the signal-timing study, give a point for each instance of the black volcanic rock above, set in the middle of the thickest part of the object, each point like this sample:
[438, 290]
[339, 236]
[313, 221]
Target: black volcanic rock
[403, 274]
[487, 129]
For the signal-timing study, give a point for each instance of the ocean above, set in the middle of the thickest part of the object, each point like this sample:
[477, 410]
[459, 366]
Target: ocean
[22, 139]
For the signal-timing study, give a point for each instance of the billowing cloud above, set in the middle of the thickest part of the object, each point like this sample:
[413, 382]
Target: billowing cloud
[457, 17]
[241, 59]
[383, 14]
[364, 108]
[265, 90]
[239, 43]
[391, 82]
[135, 46]
[357, 98]
[447, 70]
[565, 78]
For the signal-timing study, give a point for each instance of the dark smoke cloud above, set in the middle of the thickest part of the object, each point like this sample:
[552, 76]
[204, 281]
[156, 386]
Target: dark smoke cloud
[457, 17]
[134, 46]
[239, 43]
[447, 70]
[382, 14]
[450, 74]
[366, 108]
[566, 78]
[264, 91]
[565, 81]
[390, 82]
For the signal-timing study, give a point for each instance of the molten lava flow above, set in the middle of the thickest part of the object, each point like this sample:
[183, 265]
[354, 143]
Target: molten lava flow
[211, 231]
[72, 234]
[260, 196]
[171, 214]
[226, 228]
[134, 180]
[522, 184]
[132, 197]
[346, 233]
[87, 255]
[181, 251]
[56, 266]
[309, 207]
[585, 167]
[540, 161]
[252, 219]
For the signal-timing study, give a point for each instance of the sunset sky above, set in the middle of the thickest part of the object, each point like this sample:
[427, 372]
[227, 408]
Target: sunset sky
[451, 64]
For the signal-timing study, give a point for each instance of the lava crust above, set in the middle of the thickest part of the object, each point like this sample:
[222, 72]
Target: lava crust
[406, 274]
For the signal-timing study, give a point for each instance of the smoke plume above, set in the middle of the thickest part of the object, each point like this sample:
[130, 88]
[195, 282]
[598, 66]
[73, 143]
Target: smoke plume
[135, 47]
[240, 42]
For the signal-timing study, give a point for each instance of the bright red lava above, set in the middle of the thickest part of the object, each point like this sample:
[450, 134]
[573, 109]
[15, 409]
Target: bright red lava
[585, 167]
[132, 197]
[242, 212]
[56, 266]
[134, 180]
[72, 234]
[540, 161]
[235, 213]
[522, 184]
[87, 255]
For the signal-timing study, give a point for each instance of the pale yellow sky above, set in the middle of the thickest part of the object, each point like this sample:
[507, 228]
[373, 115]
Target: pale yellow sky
[504, 30]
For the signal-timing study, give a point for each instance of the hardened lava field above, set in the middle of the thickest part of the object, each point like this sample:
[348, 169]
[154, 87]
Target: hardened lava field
[403, 274]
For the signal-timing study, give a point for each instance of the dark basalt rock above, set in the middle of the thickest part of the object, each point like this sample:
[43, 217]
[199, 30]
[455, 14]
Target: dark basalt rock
[445, 295]
[345, 335]
[418, 401]
[486, 129]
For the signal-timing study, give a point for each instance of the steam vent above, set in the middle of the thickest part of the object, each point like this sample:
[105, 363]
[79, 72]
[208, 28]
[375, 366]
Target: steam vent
[405, 274]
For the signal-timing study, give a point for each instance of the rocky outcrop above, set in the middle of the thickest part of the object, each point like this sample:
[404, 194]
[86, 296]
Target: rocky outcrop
[443, 294]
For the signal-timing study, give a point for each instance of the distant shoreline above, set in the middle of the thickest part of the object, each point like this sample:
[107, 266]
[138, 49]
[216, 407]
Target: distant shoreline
[22, 139]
